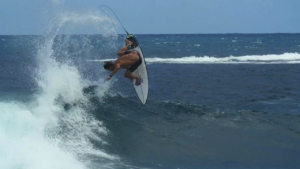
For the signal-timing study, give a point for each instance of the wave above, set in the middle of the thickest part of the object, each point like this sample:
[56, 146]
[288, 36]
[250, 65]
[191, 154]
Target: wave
[43, 134]
[286, 58]
[151, 132]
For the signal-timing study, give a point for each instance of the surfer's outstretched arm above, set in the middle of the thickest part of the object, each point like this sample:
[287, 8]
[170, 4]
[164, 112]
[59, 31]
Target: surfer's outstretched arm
[116, 69]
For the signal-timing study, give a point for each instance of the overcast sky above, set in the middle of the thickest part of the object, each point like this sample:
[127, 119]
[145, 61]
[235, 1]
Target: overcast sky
[158, 16]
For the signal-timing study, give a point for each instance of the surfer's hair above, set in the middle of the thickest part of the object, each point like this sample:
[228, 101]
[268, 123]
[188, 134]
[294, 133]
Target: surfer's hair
[107, 65]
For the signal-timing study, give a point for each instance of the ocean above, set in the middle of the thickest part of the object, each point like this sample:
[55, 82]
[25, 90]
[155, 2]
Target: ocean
[215, 101]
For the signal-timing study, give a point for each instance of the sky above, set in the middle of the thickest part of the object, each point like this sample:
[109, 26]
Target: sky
[20, 17]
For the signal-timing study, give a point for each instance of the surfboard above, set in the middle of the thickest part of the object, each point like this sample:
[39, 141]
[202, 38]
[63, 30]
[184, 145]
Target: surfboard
[142, 89]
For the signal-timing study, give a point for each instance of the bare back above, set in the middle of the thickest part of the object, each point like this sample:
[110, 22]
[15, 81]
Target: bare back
[127, 60]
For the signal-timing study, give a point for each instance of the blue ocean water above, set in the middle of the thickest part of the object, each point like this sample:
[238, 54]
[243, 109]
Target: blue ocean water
[215, 101]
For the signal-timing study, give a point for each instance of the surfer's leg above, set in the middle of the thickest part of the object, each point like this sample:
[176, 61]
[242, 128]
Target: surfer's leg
[131, 76]
[133, 67]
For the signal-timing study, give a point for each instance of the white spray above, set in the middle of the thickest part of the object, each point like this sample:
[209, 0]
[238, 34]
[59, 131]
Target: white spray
[42, 135]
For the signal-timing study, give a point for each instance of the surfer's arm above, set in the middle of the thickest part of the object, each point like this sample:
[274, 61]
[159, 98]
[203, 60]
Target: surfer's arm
[125, 48]
[117, 67]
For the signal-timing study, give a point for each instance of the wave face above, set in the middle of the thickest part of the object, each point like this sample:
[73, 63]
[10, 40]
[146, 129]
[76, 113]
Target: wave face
[165, 134]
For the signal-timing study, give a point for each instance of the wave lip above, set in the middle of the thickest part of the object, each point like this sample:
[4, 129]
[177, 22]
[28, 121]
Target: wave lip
[286, 58]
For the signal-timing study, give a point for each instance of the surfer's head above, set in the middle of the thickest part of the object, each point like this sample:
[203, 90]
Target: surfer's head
[108, 66]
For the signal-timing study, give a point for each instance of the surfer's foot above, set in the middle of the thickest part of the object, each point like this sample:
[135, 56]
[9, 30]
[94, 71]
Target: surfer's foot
[138, 81]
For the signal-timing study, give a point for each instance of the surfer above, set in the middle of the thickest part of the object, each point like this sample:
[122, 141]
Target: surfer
[129, 59]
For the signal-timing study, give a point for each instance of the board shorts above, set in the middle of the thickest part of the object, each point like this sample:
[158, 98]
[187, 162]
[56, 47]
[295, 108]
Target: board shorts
[136, 64]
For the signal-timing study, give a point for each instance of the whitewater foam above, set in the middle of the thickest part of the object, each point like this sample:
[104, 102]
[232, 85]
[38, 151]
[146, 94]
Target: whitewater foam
[23, 144]
[286, 58]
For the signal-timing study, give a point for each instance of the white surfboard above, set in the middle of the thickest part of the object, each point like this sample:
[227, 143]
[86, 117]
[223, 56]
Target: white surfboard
[142, 89]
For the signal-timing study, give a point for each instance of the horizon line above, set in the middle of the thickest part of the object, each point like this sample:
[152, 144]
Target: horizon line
[158, 34]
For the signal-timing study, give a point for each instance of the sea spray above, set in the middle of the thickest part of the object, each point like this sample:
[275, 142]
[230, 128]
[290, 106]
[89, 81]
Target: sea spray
[44, 134]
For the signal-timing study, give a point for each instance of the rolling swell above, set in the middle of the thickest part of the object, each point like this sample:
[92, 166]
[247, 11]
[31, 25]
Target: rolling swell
[166, 134]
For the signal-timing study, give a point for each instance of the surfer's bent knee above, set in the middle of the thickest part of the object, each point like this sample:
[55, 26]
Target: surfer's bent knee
[127, 74]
